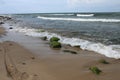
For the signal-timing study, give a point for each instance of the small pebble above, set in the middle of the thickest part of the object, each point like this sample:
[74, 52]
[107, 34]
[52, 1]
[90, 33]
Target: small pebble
[32, 57]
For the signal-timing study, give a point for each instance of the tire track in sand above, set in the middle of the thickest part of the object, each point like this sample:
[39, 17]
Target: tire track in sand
[12, 70]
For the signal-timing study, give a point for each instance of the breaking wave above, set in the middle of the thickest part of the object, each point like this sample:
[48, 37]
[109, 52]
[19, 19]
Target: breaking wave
[80, 19]
[111, 51]
[85, 15]
[62, 14]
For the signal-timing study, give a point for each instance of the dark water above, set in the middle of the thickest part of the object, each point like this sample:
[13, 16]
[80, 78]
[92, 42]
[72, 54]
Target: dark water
[96, 27]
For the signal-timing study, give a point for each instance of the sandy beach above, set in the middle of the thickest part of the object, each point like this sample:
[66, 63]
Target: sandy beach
[28, 58]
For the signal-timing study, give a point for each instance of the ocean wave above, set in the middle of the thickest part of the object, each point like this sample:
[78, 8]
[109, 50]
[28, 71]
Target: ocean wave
[85, 15]
[108, 51]
[80, 19]
[62, 14]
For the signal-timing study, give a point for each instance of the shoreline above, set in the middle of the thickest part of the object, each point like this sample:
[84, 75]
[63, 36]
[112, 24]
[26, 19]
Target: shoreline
[40, 62]
[111, 51]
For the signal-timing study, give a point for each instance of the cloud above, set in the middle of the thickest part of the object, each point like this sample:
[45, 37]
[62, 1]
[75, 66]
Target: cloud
[75, 3]
[94, 5]
[2, 2]
[22, 6]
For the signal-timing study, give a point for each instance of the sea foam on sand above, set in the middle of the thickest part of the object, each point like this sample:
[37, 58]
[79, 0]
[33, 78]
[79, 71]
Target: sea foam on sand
[111, 51]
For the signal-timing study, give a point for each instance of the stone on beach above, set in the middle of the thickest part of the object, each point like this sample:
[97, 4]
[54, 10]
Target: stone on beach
[55, 44]
[54, 39]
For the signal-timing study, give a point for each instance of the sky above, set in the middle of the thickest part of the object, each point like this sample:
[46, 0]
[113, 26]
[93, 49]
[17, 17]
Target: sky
[51, 6]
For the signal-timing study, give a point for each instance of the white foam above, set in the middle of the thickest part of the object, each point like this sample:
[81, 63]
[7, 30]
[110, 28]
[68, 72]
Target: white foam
[85, 15]
[108, 51]
[80, 19]
[62, 14]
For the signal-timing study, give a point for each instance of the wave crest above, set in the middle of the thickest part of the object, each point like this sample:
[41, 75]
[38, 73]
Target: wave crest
[85, 15]
[80, 19]
[63, 14]
[108, 51]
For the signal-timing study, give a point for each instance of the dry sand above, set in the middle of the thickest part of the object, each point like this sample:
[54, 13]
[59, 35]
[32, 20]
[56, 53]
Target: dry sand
[20, 63]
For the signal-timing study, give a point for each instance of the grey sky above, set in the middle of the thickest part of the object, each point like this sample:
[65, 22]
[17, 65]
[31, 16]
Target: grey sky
[43, 6]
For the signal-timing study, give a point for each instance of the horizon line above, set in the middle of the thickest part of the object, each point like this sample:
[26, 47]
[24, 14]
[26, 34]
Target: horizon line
[62, 12]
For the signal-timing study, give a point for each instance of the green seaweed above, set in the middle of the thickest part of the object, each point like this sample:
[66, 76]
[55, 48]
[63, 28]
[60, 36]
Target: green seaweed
[95, 70]
[70, 51]
[44, 38]
[54, 39]
[55, 44]
[103, 61]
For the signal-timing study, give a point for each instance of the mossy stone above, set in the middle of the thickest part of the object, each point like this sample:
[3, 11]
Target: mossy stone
[44, 38]
[55, 44]
[54, 39]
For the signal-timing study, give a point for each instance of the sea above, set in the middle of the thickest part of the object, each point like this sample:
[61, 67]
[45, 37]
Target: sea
[98, 32]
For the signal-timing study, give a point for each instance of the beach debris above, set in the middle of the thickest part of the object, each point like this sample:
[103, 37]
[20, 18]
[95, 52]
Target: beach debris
[10, 27]
[24, 63]
[32, 57]
[1, 22]
[54, 39]
[103, 61]
[77, 46]
[55, 44]
[35, 75]
[95, 70]
[10, 44]
[8, 18]
[70, 51]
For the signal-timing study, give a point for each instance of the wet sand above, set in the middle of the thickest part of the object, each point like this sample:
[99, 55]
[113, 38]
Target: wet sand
[27, 58]
[2, 31]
